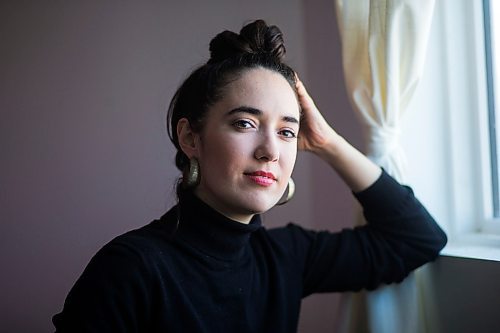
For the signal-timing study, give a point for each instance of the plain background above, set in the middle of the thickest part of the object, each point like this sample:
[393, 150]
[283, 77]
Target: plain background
[84, 88]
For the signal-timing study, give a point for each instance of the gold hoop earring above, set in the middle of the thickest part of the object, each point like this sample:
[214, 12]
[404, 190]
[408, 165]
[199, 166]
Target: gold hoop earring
[191, 175]
[290, 191]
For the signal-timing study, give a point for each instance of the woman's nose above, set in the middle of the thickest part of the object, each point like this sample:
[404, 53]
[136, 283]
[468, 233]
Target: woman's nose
[267, 149]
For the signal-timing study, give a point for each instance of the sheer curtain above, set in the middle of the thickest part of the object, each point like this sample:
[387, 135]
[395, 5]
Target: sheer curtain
[383, 51]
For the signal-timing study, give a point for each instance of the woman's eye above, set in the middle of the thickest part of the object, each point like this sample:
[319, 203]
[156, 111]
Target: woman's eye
[243, 124]
[287, 133]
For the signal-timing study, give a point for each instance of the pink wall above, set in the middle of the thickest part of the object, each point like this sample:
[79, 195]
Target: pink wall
[83, 92]
[333, 204]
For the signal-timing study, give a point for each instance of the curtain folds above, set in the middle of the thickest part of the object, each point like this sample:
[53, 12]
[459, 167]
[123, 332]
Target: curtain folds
[383, 51]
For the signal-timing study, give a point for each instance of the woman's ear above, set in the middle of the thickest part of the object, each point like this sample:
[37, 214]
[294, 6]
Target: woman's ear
[187, 138]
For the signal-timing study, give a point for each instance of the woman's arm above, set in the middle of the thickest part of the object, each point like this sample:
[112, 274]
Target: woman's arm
[318, 137]
[400, 234]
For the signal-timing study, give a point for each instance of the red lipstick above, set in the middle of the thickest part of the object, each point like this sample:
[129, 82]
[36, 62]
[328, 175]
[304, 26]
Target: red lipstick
[262, 178]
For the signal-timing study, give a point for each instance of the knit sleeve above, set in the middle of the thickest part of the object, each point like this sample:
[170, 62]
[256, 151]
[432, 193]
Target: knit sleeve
[400, 235]
[110, 296]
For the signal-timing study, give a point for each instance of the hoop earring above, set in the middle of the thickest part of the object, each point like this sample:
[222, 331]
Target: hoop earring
[191, 175]
[290, 191]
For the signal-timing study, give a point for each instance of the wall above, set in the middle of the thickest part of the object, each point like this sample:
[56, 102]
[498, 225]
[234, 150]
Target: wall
[333, 205]
[84, 88]
[465, 295]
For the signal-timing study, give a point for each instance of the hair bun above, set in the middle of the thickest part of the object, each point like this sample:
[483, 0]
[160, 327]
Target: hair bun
[254, 38]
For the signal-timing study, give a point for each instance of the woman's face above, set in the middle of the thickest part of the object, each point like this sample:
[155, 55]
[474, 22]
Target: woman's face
[248, 145]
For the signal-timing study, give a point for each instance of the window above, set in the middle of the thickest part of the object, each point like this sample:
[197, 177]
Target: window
[491, 14]
[492, 52]
[451, 164]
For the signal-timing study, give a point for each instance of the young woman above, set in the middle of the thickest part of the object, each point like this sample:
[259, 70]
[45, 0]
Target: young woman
[208, 265]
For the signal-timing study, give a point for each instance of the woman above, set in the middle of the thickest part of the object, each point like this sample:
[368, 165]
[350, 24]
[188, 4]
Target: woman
[208, 265]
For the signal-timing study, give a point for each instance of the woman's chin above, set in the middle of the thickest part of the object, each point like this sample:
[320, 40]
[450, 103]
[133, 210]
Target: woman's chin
[260, 207]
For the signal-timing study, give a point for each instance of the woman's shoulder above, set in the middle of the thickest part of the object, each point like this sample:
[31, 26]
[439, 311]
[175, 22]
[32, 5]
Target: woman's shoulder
[290, 238]
[143, 243]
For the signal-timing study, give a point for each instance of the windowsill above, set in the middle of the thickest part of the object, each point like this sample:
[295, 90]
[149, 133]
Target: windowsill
[475, 246]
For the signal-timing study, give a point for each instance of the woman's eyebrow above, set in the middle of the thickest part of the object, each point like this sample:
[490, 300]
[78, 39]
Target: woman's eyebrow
[290, 119]
[257, 112]
[245, 109]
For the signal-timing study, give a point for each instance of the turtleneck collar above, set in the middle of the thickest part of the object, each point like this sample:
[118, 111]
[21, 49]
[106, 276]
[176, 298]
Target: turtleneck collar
[211, 232]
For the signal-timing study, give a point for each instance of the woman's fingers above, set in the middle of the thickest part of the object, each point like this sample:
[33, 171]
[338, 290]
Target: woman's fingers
[305, 100]
[313, 127]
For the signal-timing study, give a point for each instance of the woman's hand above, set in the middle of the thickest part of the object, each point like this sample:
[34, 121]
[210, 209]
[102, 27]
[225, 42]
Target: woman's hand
[315, 133]
[317, 136]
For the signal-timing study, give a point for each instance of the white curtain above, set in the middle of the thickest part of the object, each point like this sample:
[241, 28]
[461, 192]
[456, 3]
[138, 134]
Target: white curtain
[383, 51]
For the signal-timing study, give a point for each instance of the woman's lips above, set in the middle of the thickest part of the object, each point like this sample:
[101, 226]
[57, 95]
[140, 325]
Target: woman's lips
[262, 178]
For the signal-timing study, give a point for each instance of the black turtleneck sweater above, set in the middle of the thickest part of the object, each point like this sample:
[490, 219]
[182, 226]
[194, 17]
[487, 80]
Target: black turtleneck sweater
[195, 270]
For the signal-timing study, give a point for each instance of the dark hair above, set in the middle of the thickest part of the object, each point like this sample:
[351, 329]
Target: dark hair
[257, 45]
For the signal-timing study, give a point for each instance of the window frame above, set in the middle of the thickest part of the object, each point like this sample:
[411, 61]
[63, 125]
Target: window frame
[492, 118]
[465, 208]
